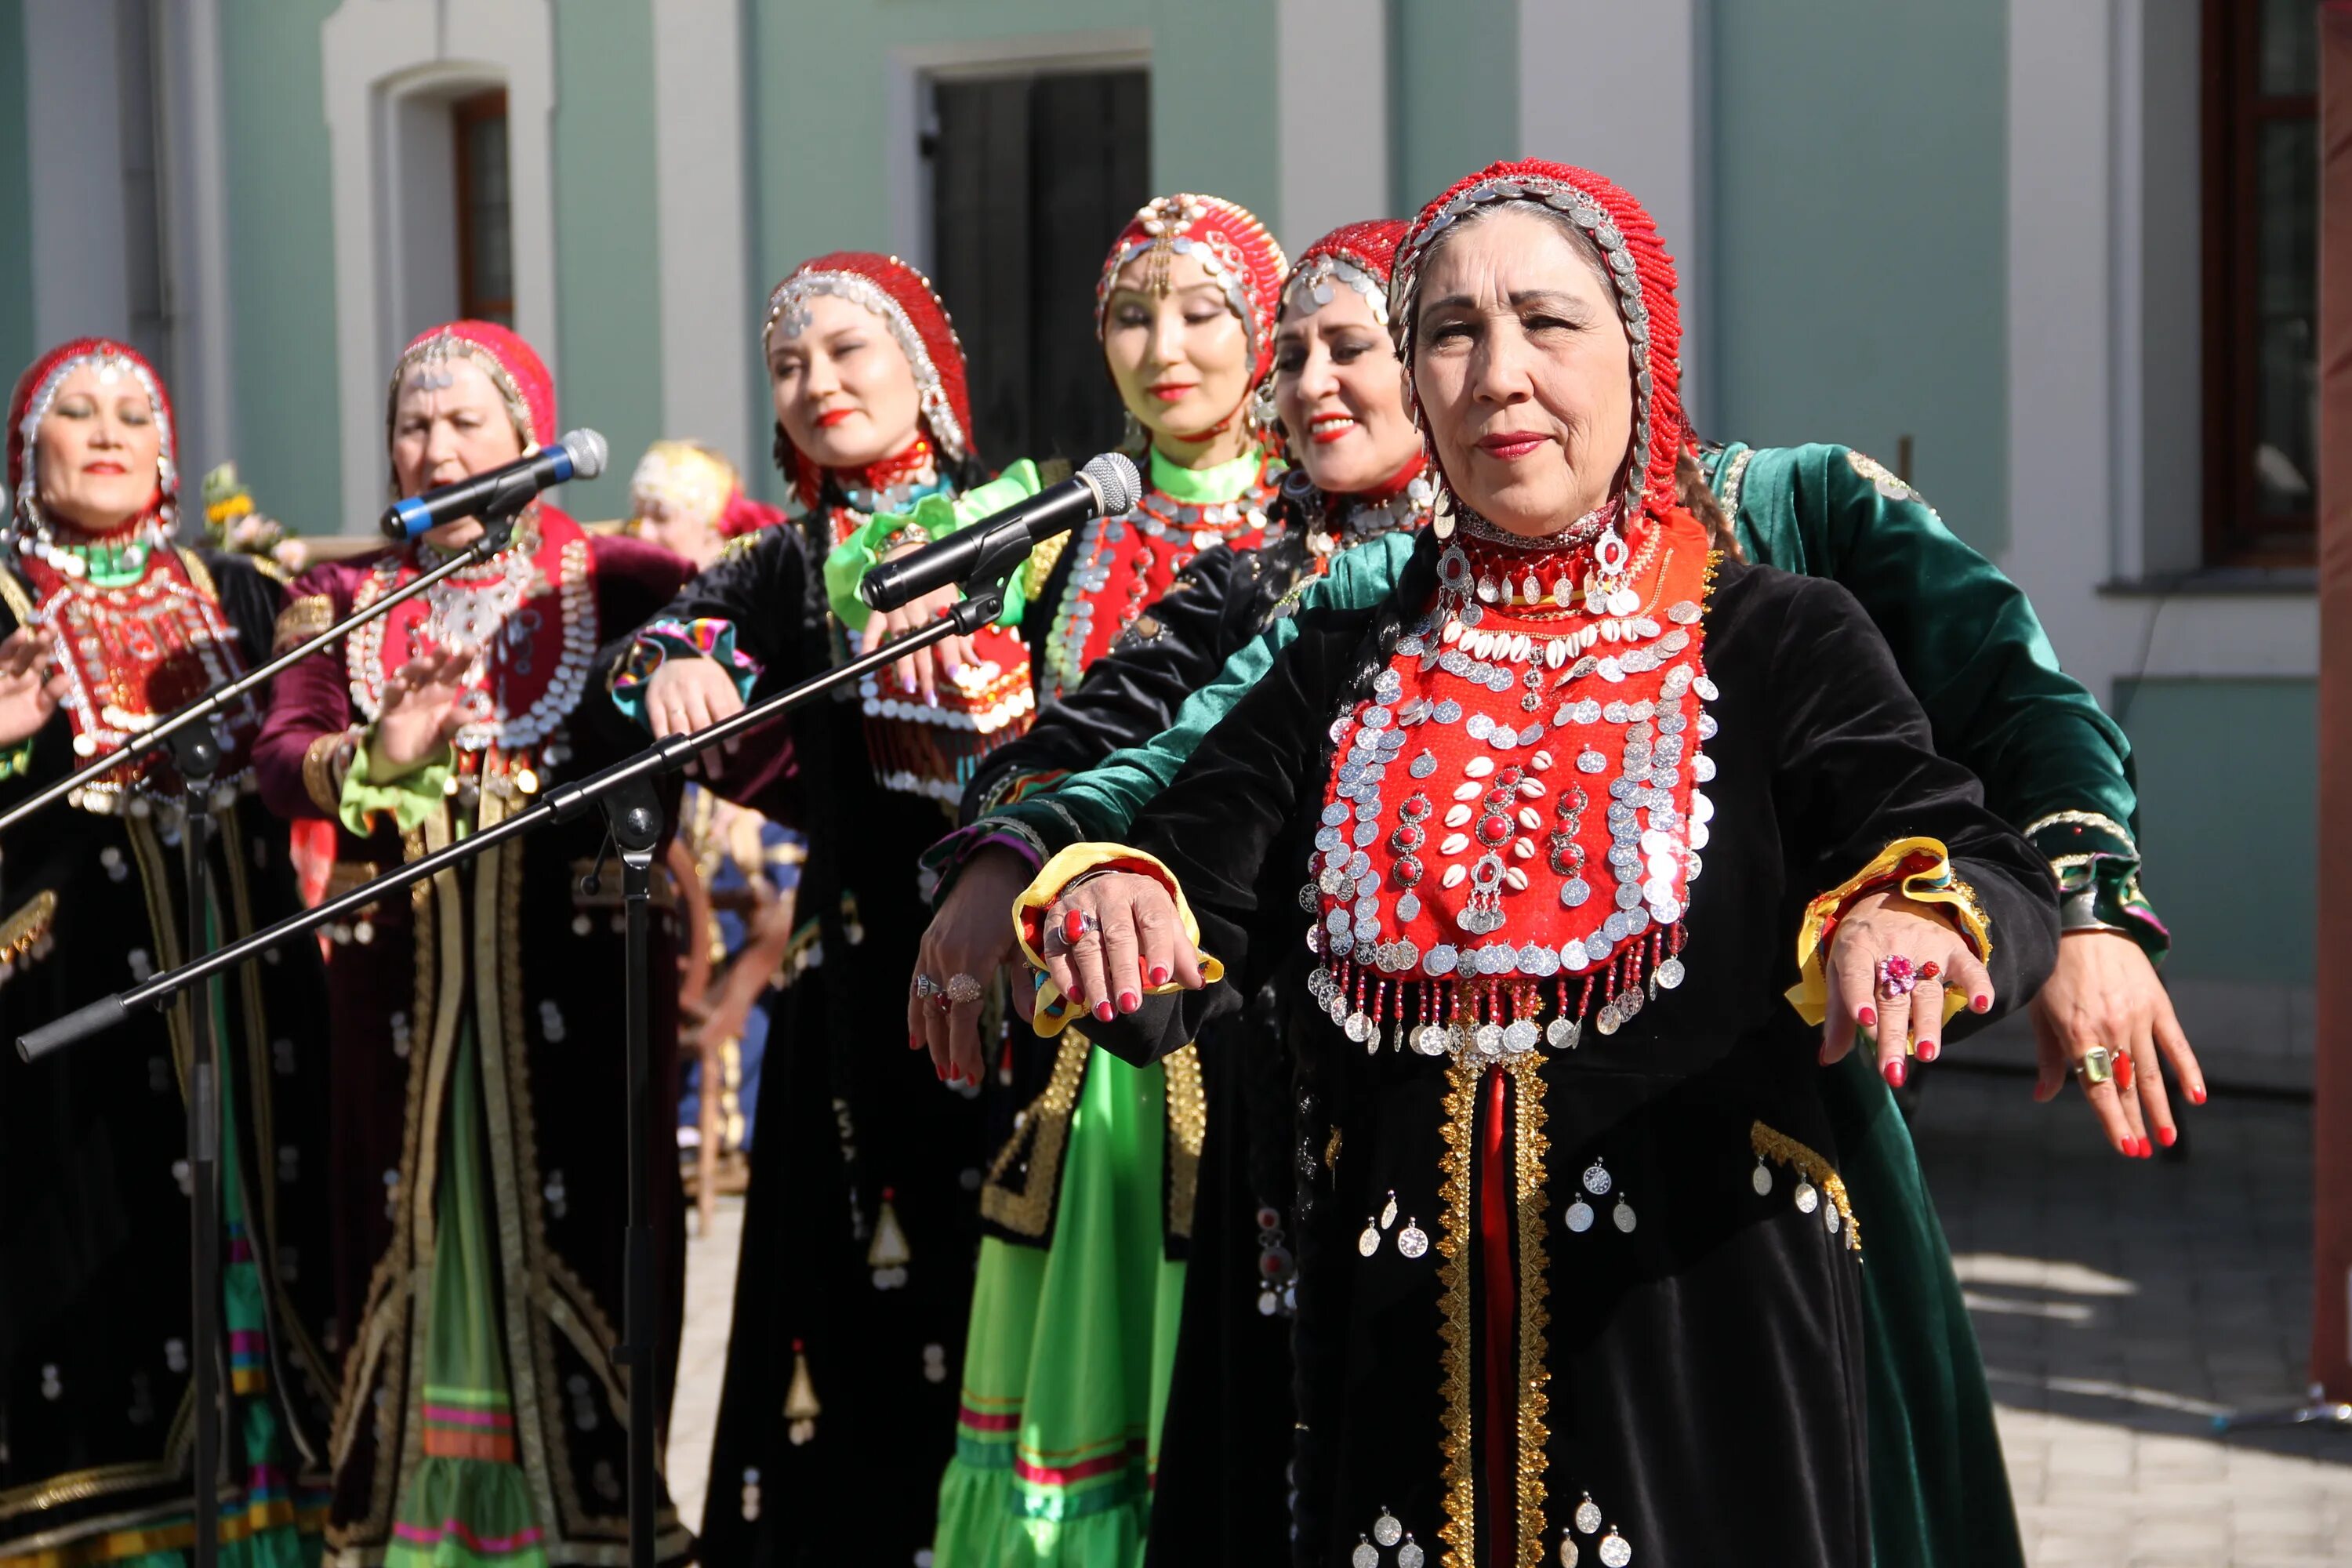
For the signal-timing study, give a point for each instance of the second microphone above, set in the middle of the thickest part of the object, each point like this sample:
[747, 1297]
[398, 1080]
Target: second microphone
[1106, 487]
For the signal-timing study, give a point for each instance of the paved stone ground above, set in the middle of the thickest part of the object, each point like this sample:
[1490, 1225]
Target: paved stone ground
[2122, 1305]
[702, 1357]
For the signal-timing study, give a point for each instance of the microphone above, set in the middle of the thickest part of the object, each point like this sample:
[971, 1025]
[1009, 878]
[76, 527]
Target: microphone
[501, 492]
[1106, 487]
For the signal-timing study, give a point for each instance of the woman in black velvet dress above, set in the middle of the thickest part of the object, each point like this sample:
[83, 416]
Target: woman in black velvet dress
[1580, 1283]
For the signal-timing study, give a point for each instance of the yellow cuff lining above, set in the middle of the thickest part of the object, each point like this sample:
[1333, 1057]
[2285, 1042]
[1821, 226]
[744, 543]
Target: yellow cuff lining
[1053, 1012]
[1917, 868]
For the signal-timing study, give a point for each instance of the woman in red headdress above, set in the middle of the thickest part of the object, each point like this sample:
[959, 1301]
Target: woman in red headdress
[480, 1075]
[108, 626]
[856, 1270]
[1603, 1298]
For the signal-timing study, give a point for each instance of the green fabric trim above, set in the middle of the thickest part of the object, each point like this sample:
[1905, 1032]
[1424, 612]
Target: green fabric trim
[1967, 638]
[938, 516]
[1205, 487]
[411, 798]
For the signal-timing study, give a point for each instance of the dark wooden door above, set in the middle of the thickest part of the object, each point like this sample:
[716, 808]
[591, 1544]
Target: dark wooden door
[1029, 179]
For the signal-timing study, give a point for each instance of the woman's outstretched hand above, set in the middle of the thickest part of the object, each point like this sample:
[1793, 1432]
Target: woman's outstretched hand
[970, 933]
[2105, 992]
[1890, 963]
[29, 688]
[1111, 938]
[924, 671]
[689, 695]
[419, 712]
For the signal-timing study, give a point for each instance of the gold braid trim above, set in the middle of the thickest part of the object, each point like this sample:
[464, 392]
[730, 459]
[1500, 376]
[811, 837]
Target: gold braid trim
[1770, 1143]
[1460, 1532]
[325, 762]
[24, 930]
[1187, 1120]
[1332, 1150]
[1042, 561]
[1041, 1132]
[302, 620]
[1531, 1197]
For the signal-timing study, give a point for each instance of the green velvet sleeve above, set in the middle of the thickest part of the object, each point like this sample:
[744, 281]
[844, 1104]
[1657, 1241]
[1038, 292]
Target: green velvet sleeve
[932, 517]
[1101, 803]
[1972, 649]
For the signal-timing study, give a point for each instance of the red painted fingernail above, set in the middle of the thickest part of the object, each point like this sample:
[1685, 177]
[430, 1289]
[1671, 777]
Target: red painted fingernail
[1867, 1017]
[1981, 1004]
[2196, 1094]
[1159, 974]
[1128, 1001]
[1929, 1050]
[2165, 1135]
[941, 1071]
[914, 1042]
[1102, 1011]
[2146, 1149]
[1077, 999]
[1896, 1071]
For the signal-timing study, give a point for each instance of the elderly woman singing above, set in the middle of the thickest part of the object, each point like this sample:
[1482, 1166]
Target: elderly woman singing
[1599, 829]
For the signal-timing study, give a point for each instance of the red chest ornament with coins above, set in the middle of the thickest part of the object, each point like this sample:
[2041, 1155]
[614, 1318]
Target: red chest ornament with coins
[132, 653]
[1514, 819]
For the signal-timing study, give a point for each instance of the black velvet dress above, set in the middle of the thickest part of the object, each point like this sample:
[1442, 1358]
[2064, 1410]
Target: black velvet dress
[852, 1124]
[1485, 1362]
[95, 1372]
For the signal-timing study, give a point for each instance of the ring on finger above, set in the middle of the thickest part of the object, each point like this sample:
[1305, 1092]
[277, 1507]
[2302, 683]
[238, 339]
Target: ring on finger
[926, 987]
[1080, 923]
[2097, 1066]
[961, 989]
[1896, 976]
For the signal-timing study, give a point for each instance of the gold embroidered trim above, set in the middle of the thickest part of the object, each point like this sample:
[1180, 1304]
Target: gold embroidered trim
[1534, 1205]
[1733, 479]
[324, 763]
[19, 597]
[24, 930]
[1460, 1532]
[1187, 1120]
[1332, 1150]
[1042, 561]
[1770, 1143]
[302, 620]
[1041, 1132]
[199, 574]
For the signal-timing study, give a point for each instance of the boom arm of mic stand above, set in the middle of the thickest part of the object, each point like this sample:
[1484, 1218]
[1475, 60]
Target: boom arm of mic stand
[559, 805]
[495, 533]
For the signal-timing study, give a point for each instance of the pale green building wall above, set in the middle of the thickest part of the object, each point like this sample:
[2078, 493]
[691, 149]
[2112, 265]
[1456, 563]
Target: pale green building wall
[607, 260]
[1454, 93]
[2229, 868]
[281, 250]
[1860, 153]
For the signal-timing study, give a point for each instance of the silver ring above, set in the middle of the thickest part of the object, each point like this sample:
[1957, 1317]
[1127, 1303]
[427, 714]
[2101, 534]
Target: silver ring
[961, 989]
[925, 986]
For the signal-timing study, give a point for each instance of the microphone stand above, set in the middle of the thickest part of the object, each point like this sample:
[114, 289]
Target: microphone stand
[188, 737]
[625, 793]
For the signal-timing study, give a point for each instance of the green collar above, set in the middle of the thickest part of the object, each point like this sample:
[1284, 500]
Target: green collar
[1206, 486]
[111, 563]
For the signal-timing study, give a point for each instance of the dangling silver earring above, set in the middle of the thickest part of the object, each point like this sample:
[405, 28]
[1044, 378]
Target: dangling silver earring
[1258, 411]
[1134, 438]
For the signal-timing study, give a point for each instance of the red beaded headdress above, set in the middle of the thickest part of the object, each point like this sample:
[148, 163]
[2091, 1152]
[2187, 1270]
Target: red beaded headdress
[513, 367]
[1360, 255]
[37, 389]
[918, 324]
[1231, 246]
[1621, 230]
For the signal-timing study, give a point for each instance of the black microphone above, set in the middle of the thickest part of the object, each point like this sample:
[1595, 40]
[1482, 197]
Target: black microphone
[1106, 487]
[501, 492]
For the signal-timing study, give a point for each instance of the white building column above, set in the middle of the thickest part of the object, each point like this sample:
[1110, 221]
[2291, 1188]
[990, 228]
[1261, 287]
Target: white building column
[706, 328]
[377, 56]
[194, 165]
[1331, 125]
[1621, 88]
